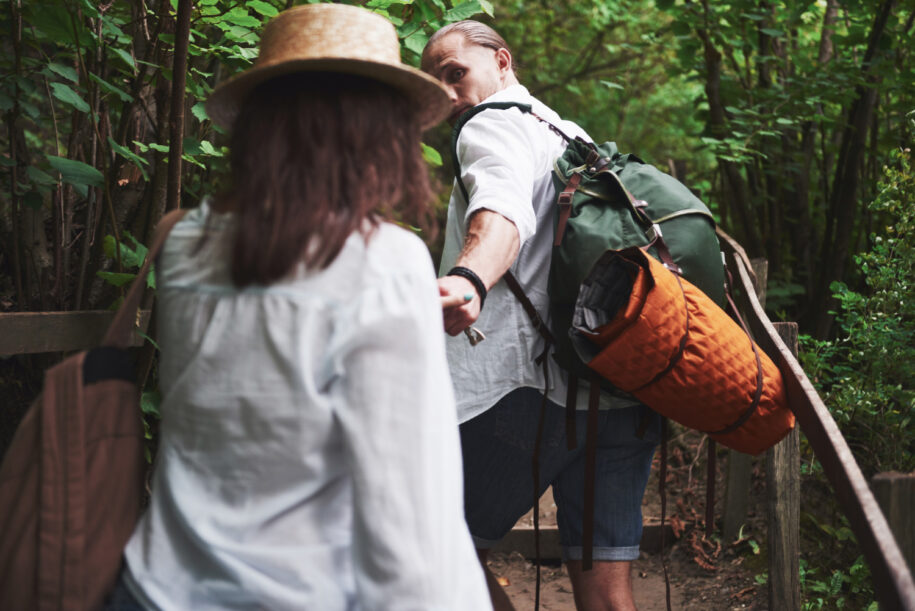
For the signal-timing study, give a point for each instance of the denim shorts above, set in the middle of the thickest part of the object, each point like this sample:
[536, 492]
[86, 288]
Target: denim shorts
[498, 446]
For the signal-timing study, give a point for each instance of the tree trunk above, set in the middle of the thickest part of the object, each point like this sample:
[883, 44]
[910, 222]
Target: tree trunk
[845, 201]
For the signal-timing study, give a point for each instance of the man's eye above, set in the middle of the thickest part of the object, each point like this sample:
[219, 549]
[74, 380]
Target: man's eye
[457, 75]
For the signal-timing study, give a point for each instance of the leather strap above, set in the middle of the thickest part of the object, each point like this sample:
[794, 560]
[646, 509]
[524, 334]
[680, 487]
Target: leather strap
[535, 472]
[662, 492]
[459, 125]
[125, 321]
[759, 370]
[571, 400]
[565, 206]
[529, 308]
[681, 349]
[587, 527]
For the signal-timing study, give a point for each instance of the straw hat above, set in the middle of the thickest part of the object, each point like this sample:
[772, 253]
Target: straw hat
[331, 38]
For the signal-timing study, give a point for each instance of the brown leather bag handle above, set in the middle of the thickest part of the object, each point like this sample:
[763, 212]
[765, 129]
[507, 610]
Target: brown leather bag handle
[125, 321]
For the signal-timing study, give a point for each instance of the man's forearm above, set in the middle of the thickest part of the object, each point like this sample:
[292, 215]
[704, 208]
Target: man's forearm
[490, 246]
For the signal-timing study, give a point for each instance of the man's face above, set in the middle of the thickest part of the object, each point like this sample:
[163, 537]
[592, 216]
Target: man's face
[470, 73]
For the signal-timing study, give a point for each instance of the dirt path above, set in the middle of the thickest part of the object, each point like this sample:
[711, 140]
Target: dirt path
[705, 574]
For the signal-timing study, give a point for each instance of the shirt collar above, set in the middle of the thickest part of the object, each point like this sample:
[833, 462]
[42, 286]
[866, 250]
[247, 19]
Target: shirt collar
[512, 93]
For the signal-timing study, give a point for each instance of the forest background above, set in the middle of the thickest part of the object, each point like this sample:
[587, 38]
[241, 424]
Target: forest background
[793, 120]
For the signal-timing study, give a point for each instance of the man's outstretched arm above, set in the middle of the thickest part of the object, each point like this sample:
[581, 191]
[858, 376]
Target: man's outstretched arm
[490, 247]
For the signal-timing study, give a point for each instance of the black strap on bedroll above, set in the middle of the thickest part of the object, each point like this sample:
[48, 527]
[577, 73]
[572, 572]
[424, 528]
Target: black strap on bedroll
[662, 492]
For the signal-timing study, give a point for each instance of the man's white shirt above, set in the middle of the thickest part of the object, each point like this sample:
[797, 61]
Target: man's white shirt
[506, 165]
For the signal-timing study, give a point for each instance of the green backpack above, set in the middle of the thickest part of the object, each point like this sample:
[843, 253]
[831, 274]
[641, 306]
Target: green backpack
[607, 200]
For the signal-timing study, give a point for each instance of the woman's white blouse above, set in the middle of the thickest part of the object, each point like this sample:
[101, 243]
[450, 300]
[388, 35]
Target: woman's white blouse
[309, 454]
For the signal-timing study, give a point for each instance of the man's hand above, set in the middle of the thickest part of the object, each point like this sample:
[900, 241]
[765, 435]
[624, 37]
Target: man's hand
[457, 311]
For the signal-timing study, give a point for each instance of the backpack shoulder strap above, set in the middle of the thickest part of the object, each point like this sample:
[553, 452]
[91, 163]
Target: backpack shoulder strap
[118, 334]
[459, 125]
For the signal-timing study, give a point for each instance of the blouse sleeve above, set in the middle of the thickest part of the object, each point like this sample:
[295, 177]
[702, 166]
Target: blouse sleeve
[396, 410]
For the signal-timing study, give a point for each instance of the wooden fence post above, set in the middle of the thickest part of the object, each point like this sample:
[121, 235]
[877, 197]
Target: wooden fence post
[783, 487]
[895, 492]
[740, 465]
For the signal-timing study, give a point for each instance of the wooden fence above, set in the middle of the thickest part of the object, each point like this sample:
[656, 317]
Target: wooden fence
[891, 574]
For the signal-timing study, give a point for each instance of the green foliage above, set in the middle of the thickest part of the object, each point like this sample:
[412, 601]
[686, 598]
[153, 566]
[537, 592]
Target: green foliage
[129, 256]
[867, 379]
[827, 587]
[867, 375]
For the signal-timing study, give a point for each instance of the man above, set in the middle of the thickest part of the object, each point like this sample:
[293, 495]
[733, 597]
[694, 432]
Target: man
[506, 159]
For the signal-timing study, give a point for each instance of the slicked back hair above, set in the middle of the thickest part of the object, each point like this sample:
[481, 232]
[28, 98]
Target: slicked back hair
[315, 157]
[473, 32]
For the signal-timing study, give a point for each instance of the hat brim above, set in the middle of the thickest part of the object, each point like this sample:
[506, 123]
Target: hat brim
[431, 99]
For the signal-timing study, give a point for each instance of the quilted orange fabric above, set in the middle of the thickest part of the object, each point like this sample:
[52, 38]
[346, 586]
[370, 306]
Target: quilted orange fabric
[713, 382]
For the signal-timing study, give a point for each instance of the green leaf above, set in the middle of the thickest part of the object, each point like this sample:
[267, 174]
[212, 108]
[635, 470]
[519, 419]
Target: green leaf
[106, 86]
[241, 18]
[464, 10]
[125, 152]
[611, 85]
[151, 399]
[199, 110]
[65, 71]
[39, 176]
[432, 156]
[130, 256]
[126, 57]
[487, 7]
[68, 96]
[772, 33]
[191, 146]
[263, 8]
[208, 149]
[416, 42]
[116, 278]
[77, 173]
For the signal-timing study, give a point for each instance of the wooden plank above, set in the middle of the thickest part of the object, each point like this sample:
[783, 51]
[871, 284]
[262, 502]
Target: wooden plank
[31, 332]
[895, 492]
[892, 580]
[783, 492]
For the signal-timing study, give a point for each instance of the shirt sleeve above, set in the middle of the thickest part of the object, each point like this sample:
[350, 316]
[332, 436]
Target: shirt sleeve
[497, 167]
[396, 411]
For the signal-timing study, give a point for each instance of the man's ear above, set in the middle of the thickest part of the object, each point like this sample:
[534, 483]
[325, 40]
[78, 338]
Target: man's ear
[504, 60]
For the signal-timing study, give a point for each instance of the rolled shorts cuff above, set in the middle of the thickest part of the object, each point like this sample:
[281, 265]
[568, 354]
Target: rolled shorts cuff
[613, 554]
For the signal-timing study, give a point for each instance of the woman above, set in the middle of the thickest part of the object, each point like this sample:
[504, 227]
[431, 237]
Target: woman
[309, 453]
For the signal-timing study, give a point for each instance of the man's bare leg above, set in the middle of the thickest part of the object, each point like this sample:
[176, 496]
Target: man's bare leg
[606, 587]
[500, 600]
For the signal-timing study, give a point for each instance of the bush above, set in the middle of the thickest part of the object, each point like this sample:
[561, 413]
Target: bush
[867, 376]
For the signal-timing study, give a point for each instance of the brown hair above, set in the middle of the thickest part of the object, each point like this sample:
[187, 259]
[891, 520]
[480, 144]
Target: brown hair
[315, 157]
[473, 32]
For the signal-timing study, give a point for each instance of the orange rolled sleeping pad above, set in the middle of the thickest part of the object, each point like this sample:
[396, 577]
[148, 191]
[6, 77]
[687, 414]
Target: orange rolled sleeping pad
[675, 350]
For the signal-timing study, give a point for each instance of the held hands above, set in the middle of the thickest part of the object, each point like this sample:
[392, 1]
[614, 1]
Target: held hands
[458, 312]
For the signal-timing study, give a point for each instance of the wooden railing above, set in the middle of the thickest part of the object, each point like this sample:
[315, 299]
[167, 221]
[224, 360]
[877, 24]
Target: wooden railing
[23, 333]
[891, 575]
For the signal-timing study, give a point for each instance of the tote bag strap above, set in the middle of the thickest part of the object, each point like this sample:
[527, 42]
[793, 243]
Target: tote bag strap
[119, 333]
